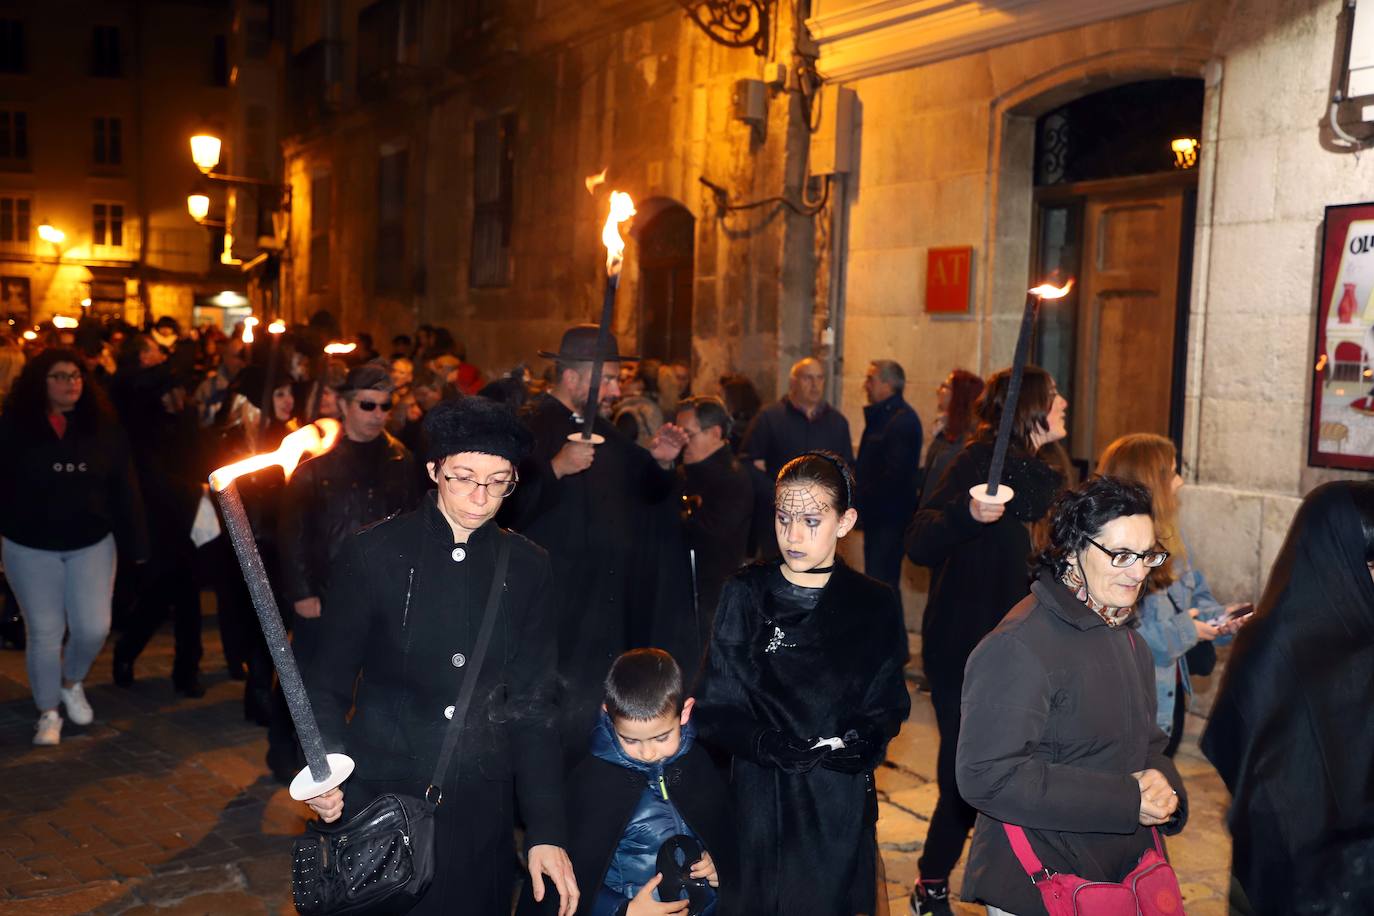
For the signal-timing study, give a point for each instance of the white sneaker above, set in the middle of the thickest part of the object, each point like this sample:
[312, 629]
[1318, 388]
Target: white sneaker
[78, 708]
[49, 731]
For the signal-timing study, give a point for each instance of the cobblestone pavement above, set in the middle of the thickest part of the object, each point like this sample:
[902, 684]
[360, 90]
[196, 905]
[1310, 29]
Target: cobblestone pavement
[163, 805]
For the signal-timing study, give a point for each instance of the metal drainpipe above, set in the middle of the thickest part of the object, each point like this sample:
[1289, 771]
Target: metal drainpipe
[838, 229]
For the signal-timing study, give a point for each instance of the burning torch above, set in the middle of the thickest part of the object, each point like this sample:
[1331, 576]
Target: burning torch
[323, 771]
[994, 492]
[622, 208]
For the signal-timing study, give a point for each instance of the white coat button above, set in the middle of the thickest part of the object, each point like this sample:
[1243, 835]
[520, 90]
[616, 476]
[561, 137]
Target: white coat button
[459, 659]
[459, 554]
[448, 712]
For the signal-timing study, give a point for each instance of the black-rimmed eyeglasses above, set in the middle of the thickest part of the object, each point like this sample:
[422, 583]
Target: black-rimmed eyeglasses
[496, 489]
[1124, 558]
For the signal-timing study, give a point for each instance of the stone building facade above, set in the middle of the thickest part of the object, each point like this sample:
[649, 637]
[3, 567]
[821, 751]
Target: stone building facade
[949, 100]
[436, 154]
[97, 100]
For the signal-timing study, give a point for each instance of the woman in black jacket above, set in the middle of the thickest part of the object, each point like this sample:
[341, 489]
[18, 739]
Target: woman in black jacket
[1288, 732]
[803, 687]
[403, 606]
[977, 554]
[67, 491]
[1059, 734]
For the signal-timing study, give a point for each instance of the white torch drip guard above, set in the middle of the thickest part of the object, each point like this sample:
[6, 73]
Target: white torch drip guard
[304, 787]
[1002, 497]
[594, 439]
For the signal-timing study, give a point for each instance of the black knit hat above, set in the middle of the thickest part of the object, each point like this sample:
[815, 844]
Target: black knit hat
[475, 425]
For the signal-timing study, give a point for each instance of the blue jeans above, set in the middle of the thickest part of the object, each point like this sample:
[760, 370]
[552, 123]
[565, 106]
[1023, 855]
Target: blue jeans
[61, 591]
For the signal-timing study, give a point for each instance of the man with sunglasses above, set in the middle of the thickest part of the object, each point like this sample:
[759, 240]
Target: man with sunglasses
[368, 476]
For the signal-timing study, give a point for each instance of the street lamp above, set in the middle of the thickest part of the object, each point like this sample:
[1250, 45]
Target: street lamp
[198, 205]
[51, 234]
[205, 152]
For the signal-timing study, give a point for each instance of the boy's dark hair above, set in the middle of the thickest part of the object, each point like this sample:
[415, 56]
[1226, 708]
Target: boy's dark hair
[643, 684]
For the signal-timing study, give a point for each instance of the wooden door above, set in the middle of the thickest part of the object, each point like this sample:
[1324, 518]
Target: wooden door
[1128, 302]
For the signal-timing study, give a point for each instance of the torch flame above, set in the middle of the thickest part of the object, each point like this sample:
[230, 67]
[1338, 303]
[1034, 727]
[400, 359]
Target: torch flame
[594, 181]
[308, 441]
[247, 332]
[277, 327]
[622, 208]
[1046, 291]
[339, 349]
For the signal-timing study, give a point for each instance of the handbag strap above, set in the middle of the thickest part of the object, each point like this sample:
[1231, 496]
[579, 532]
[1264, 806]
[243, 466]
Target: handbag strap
[1030, 862]
[479, 653]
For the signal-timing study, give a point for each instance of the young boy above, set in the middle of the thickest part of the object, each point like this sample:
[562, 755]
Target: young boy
[645, 781]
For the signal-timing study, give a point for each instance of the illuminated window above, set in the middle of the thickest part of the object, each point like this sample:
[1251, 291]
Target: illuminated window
[107, 224]
[14, 136]
[15, 220]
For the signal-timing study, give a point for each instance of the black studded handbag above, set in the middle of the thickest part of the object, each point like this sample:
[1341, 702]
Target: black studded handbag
[380, 861]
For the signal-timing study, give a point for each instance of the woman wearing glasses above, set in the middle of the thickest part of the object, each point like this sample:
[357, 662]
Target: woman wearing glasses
[67, 492]
[1059, 735]
[405, 602]
[1178, 610]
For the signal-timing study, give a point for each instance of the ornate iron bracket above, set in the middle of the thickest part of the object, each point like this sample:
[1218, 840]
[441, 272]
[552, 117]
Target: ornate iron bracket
[733, 23]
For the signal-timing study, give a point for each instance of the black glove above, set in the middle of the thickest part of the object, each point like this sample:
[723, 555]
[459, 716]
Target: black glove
[788, 753]
[855, 757]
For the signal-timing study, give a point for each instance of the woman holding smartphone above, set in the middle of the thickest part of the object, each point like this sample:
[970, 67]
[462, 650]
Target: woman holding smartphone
[1178, 610]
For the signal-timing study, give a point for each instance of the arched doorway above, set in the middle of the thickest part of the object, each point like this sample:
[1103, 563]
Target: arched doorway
[1115, 198]
[666, 234]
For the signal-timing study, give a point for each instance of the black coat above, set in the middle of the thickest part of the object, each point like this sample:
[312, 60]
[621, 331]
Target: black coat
[1289, 731]
[979, 571]
[888, 473]
[601, 799]
[781, 432]
[403, 614]
[717, 526]
[594, 525]
[809, 839]
[68, 493]
[331, 496]
[165, 444]
[1058, 712]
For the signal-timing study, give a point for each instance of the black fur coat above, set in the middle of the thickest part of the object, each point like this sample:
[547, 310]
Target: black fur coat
[807, 839]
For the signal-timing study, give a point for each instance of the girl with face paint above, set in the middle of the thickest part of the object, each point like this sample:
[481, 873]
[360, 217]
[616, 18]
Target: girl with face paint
[803, 687]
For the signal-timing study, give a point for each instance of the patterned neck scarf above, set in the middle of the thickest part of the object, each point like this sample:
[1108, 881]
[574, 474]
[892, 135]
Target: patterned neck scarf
[1112, 616]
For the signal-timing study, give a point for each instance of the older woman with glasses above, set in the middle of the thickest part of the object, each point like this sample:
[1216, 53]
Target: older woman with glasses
[406, 600]
[1059, 746]
[67, 492]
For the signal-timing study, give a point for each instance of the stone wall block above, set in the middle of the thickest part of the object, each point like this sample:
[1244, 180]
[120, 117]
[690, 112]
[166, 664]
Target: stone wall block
[1259, 358]
[887, 282]
[1255, 445]
[1261, 268]
[1247, 172]
[895, 216]
[1278, 516]
[1310, 177]
[1223, 527]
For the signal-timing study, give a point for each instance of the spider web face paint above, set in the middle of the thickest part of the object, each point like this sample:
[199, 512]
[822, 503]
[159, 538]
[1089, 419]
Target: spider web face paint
[796, 502]
[801, 500]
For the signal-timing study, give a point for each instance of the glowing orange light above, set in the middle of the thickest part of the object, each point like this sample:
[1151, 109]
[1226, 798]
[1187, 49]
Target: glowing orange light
[308, 441]
[622, 208]
[1046, 291]
[248, 332]
[594, 181]
[277, 327]
[339, 349]
[30, 335]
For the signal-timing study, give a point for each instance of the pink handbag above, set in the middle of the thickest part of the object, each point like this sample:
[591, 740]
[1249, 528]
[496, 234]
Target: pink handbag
[1151, 889]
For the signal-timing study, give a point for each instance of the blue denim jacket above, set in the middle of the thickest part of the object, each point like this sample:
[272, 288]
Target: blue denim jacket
[1169, 632]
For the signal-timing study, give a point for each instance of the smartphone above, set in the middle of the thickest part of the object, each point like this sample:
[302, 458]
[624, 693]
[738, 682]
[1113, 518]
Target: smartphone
[1243, 611]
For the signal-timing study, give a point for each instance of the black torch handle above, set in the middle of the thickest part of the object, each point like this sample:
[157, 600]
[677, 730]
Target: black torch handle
[1018, 369]
[603, 342]
[265, 603]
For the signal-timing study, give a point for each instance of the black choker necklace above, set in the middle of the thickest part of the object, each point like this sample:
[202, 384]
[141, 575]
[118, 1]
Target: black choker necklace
[819, 570]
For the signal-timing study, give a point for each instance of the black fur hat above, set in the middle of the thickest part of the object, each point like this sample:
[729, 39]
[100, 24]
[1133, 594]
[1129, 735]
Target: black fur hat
[475, 425]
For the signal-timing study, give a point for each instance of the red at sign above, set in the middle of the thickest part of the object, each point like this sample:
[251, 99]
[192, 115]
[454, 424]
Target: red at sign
[947, 280]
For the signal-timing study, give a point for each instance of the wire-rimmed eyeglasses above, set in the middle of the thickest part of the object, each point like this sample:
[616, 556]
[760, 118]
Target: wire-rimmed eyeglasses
[1124, 558]
[496, 489]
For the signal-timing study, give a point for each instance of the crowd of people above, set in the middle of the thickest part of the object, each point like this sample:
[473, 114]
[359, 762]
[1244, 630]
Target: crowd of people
[668, 649]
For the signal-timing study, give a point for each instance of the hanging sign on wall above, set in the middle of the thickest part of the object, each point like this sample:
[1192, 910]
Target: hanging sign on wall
[948, 272]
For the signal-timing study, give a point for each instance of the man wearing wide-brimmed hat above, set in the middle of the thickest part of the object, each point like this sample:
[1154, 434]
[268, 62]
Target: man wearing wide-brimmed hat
[590, 506]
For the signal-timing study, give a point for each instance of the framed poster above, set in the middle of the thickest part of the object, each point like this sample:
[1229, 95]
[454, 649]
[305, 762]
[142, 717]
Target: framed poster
[1342, 422]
